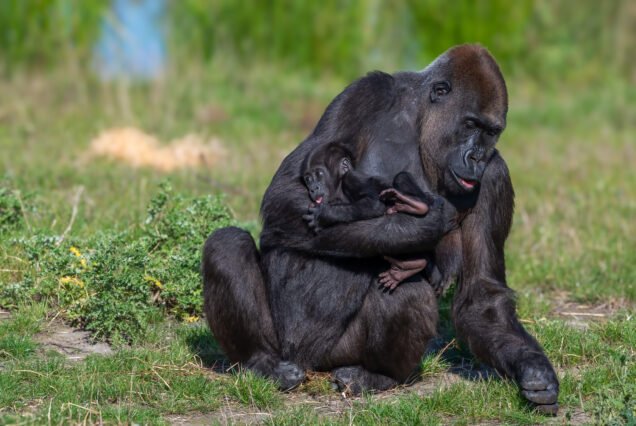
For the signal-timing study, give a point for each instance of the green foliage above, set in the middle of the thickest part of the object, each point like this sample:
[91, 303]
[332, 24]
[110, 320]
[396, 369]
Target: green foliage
[37, 31]
[345, 37]
[117, 283]
[349, 37]
[10, 210]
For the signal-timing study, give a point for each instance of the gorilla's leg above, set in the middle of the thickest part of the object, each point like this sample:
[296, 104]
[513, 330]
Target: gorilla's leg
[236, 306]
[384, 344]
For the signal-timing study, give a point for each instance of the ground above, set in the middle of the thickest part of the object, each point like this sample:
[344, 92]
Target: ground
[571, 255]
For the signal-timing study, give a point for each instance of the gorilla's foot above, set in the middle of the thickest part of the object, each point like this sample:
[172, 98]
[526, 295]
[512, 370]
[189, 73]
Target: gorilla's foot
[288, 375]
[354, 380]
[538, 382]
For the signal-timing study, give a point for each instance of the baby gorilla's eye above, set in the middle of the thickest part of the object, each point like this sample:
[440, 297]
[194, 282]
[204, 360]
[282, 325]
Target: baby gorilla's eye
[308, 179]
[320, 173]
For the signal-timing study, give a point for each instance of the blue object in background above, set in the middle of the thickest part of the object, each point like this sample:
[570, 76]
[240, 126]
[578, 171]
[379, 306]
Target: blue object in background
[132, 42]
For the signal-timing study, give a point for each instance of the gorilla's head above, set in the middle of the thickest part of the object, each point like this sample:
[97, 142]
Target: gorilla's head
[464, 113]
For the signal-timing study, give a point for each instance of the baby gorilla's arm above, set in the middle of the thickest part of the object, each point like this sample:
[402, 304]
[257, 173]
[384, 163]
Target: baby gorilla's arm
[322, 215]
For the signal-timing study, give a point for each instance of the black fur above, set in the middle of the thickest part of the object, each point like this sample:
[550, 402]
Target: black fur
[342, 194]
[310, 299]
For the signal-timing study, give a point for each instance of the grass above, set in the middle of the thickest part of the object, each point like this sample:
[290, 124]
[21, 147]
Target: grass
[570, 155]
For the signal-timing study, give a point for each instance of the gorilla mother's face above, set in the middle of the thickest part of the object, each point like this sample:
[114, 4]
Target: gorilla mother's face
[463, 115]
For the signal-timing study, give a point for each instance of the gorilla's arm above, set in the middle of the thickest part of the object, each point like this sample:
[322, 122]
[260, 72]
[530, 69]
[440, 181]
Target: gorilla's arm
[387, 235]
[371, 100]
[483, 307]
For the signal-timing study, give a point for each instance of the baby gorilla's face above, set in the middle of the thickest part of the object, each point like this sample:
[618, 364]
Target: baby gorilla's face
[323, 181]
[316, 180]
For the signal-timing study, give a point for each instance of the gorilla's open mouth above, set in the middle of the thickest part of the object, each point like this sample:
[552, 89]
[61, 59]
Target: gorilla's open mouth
[318, 199]
[465, 183]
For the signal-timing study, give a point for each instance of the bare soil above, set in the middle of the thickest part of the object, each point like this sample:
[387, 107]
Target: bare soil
[74, 344]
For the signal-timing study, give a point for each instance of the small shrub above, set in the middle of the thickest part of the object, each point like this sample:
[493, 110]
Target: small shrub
[117, 283]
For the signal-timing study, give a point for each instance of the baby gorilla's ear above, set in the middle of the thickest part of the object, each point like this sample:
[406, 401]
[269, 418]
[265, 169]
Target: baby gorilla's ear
[345, 165]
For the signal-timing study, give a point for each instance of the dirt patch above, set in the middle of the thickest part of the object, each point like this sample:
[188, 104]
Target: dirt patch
[74, 344]
[575, 417]
[580, 315]
[138, 149]
[227, 414]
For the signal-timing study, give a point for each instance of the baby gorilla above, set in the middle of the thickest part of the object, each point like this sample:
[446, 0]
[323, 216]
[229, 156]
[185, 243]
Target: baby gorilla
[341, 194]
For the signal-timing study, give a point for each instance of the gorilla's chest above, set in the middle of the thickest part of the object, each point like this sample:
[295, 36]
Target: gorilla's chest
[387, 156]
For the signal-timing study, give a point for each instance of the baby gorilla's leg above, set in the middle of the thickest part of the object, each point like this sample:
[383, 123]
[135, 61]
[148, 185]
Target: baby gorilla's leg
[400, 270]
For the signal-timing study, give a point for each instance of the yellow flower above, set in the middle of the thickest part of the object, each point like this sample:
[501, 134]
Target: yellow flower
[154, 281]
[71, 280]
[79, 254]
[191, 319]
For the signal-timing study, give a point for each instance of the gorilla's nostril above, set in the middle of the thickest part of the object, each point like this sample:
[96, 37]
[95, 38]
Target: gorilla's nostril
[468, 155]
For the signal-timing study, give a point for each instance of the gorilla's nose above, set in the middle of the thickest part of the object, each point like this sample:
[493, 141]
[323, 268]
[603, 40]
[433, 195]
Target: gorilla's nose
[468, 156]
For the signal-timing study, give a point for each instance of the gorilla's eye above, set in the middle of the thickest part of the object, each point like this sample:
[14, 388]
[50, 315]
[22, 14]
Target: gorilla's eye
[439, 90]
[308, 179]
[494, 132]
[320, 173]
[470, 124]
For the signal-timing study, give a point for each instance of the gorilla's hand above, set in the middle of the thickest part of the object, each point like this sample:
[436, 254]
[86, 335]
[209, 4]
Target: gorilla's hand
[313, 217]
[538, 381]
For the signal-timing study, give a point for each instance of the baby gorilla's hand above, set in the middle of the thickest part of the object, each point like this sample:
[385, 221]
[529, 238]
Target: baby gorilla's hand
[313, 217]
[403, 203]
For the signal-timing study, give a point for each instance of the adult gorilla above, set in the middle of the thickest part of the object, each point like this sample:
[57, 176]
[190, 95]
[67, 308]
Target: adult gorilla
[312, 302]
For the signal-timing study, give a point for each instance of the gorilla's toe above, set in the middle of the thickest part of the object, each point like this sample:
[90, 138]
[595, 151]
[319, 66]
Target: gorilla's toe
[547, 409]
[539, 385]
[547, 396]
[288, 375]
[347, 380]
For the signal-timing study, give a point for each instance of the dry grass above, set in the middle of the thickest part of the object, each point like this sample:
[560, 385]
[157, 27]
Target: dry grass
[138, 149]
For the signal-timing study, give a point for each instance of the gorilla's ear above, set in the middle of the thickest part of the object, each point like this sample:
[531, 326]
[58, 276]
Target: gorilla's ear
[439, 90]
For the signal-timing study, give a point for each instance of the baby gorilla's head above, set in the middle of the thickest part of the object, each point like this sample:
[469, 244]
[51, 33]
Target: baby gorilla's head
[323, 171]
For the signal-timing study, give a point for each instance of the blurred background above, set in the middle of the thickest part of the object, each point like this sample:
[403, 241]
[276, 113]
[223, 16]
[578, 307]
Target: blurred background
[115, 96]
[585, 42]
